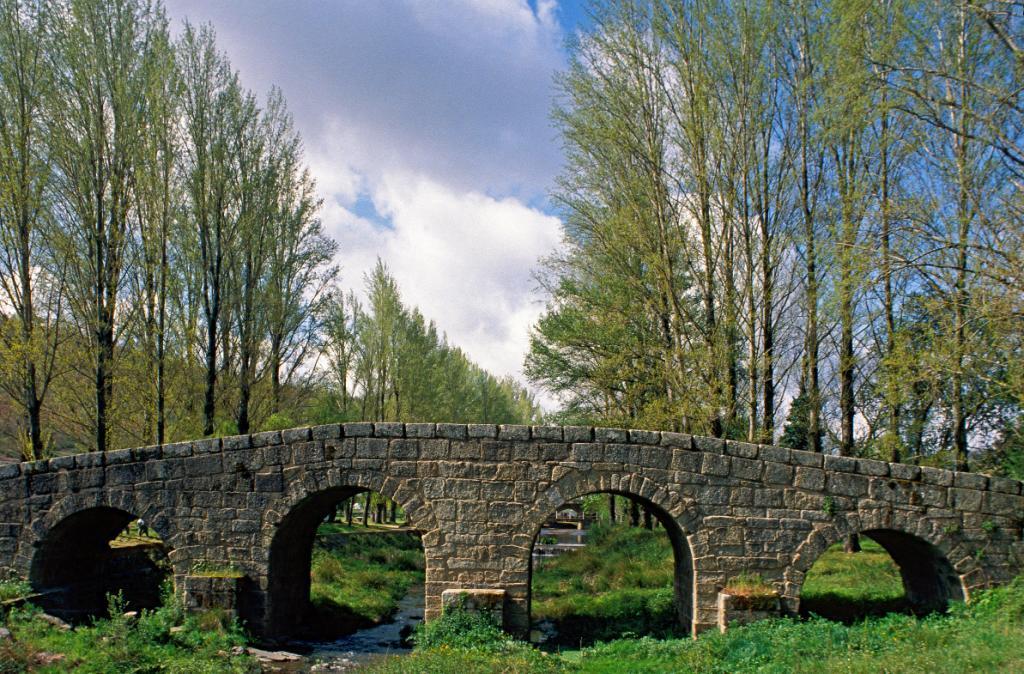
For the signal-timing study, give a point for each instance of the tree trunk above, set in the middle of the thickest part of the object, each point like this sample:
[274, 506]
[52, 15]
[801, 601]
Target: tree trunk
[611, 508]
[366, 511]
[634, 513]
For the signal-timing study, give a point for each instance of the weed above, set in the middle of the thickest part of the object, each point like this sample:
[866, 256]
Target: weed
[989, 527]
[828, 506]
[15, 588]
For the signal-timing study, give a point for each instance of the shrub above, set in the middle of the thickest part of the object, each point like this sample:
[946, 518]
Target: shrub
[461, 629]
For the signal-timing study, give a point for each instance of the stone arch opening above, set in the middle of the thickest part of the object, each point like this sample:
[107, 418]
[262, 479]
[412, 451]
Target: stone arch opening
[341, 560]
[96, 552]
[643, 529]
[894, 572]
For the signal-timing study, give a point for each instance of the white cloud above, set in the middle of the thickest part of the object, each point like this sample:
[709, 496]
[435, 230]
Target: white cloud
[426, 126]
[464, 258]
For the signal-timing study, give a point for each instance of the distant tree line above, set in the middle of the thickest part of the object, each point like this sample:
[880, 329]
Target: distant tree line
[163, 271]
[387, 363]
[813, 206]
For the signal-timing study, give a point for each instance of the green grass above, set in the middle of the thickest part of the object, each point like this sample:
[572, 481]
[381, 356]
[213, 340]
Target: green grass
[14, 589]
[358, 580]
[985, 636]
[620, 583]
[203, 643]
[847, 587]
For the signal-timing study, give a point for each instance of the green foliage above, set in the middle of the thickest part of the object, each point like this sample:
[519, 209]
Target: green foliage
[462, 629]
[122, 644]
[620, 583]
[796, 433]
[985, 635]
[358, 579]
[388, 362]
[278, 421]
[828, 506]
[844, 586]
[14, 588]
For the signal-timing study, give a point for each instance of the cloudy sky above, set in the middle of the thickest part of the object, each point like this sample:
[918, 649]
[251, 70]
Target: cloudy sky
[426, 126]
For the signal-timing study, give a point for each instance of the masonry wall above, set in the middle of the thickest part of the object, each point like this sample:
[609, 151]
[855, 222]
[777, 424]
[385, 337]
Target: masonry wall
[479, 494]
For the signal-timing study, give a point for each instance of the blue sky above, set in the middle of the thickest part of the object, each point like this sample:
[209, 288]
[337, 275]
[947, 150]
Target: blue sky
[426, 126]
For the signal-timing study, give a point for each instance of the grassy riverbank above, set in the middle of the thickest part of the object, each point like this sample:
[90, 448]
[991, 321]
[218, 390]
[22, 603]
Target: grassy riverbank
[619, 584]
[985, 636]
[163, 640]
[358, 578]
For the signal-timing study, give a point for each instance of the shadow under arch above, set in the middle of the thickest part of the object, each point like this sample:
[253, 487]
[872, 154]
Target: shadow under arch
[683, 569]
[291, 543]
[75, 563]
[930, 580]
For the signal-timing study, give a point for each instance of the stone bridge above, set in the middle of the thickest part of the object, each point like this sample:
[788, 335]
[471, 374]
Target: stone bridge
[479, 493]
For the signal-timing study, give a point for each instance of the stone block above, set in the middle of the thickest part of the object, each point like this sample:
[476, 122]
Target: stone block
[713, 445]
[965, 499]
[773, 453]
[178, 450]
[777, 473]
[811, 479]
[872, 467]
[644, 437]
[452, 431]
[611, 435]
[1004, 485]
[201, 465]
[235, 442]
[843, 464]
[327, 432]
[293, 435]
[746, 469]
[970, 480]
[265, 439]
[403, 449]
[9, 470]
[845, 484]
[496, 450]
[465, 450]
[90, 460]
[680, 440]
[810, 459]
[903, 471]
[577, 433]
[420, 430]
[357, 429]
[714, 464]
[486, 431]
[125, 474]
[118, 456]
[371, 448]
[587, 452]
[743, 450]
[554, 451]
[389, 429]
[434, 449]
[936, 476]
[513, 432]
[547, 433]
